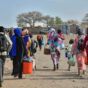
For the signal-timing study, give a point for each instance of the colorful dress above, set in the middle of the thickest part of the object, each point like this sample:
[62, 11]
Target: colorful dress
[54, 46]
[79, 55]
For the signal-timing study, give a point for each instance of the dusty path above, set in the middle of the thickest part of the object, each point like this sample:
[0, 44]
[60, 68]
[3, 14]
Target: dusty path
[44, 77]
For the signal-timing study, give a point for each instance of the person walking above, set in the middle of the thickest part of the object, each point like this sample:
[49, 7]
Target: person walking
[61, 39]
[54, 48]
[18, 51]
[77, 49]
[5, 46]
[69, 55]
[27, 40]
[40, 40]
[85, 46]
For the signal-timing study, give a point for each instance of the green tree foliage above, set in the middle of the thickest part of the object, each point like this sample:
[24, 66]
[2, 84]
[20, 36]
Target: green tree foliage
[85, 19]
[28, 18]
[58, 21]
[51, 22]
[46, 19]
[32, 17]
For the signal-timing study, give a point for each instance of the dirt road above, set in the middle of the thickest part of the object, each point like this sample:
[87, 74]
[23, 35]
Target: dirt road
[44, 77]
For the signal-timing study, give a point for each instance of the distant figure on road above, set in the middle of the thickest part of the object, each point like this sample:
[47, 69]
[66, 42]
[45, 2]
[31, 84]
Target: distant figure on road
[40, 40]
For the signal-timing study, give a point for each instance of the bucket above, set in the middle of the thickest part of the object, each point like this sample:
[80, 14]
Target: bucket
[47, 50]
[27, 67]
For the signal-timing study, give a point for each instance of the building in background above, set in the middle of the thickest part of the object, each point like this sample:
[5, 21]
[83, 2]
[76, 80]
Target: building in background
[40, 24]
[84, 23]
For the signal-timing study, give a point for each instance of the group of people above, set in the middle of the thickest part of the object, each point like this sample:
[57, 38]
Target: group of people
[77, 48]
[19, 44]
[23, 48]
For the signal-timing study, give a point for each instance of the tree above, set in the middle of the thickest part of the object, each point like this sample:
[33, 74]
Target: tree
[51, 21]
[85, 19]
[32, 17]
[72, 22]
[58, 21]
[46, 18]
[84, 23]
[22, 20]
[35, 16]
[28, 18]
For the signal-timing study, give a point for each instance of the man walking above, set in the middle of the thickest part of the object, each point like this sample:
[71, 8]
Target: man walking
[5, 46]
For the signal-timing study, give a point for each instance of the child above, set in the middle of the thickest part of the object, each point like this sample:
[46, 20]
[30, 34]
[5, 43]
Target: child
[33, 50]
[69, 55]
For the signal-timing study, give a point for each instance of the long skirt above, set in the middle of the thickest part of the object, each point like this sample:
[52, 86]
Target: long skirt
[55, 58]
[81, 61]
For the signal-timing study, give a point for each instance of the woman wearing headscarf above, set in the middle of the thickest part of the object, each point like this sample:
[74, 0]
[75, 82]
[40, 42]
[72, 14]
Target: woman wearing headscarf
[18, 51]
[77, 49]
[54, 48]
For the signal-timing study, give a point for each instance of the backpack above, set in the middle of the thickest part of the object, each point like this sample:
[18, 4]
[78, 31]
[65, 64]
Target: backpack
[3, 44]
[33, 47]
[80, 44]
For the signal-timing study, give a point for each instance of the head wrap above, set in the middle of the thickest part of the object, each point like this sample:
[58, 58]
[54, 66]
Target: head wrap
[17, 31]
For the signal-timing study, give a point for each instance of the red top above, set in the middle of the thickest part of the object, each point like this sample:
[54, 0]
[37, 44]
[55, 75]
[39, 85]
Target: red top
[61, 36]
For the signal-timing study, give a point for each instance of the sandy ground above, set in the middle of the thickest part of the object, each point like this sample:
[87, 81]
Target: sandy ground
[44, 77]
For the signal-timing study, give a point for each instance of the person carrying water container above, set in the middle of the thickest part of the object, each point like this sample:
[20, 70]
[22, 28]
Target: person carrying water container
[27, 40]
[54, 48]
[18, 52]
[69, 55]
[77, 49]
